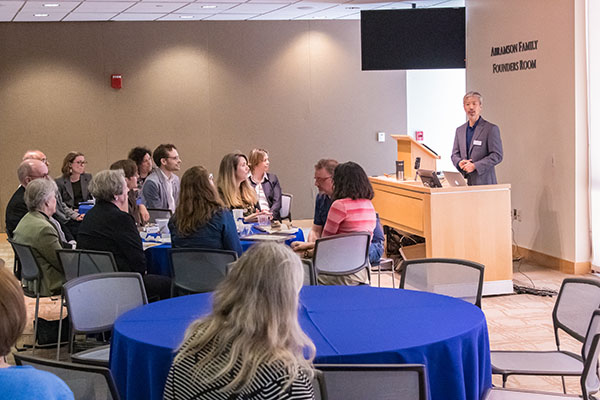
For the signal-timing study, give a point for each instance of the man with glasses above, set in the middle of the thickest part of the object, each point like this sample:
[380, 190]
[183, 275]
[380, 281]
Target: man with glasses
[161, 188]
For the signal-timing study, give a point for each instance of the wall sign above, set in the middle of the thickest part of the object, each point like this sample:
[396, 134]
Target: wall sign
[513, 48]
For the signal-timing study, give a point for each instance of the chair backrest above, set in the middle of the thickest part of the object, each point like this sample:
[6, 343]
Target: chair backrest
[577, 300]
[29, 267]
[342, 254]
[85, 381]
[76, 263]
[590, 382]
[359, 382]
[96, 301]
[310, 277]
[319, 386]
[286, 206]
[198, 270]
[448, 276]
[159, 213]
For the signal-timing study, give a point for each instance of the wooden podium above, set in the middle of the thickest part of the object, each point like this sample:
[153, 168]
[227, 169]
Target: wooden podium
[408, 151]
[468, 222]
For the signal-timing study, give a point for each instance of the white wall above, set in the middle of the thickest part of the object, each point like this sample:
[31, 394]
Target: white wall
[434, 106]
[594, 125]
[541, 115]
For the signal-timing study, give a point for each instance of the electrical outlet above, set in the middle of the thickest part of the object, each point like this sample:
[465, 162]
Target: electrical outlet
[381, 136]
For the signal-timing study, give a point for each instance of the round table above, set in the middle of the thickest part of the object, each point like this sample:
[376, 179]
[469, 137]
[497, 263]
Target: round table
[157, 257]
[347, 324]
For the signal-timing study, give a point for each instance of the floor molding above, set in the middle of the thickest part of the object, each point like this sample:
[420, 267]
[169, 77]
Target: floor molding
[556, 263]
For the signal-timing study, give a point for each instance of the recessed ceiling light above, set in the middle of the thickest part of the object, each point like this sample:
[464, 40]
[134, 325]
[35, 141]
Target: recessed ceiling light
[186, 16]
[40, 15]
[51, 5]
[209, 7]
[352, 8]
[305, 8]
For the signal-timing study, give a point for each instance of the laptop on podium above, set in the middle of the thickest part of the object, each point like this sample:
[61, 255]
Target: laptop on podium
[454, 178]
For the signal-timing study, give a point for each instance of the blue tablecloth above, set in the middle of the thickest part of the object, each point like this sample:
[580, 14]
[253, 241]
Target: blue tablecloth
[84, 208]
[157, 257]
[347, 324]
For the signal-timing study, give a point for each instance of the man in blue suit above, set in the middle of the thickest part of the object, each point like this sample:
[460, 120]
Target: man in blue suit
[477, 144]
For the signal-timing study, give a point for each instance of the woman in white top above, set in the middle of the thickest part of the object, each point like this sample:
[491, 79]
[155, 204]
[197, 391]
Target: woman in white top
[266, 184]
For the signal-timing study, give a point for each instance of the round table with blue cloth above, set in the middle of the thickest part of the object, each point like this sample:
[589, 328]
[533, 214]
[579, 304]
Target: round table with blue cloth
[157, 257]
[347, 324]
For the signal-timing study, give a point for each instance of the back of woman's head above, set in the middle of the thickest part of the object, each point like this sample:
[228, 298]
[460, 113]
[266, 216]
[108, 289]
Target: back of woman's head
[351, 181]
[12, 311]
[198, 200]
[255, 317]
[38, 192]
[107, 184]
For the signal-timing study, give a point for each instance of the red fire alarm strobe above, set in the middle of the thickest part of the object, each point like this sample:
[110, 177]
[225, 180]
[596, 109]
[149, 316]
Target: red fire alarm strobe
[419, 136]
[116, 81]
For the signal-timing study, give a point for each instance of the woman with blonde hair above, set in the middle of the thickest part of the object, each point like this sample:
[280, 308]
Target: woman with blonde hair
[73, 184]
[201, 220]
[266, 185]
[24, 382]
[251, 346]
[234, 188]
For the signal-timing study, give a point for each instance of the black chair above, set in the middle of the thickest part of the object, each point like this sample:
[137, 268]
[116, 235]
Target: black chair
[85, 381]
[30, 272]
[310, 276]
[159, 213]
[448, 276]
[76, 263]
[95, 302]
[366, 381]
[198, 270]
[576, 313]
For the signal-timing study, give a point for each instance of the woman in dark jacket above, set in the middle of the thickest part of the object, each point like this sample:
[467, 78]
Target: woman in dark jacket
[266, 184]
[73, 184]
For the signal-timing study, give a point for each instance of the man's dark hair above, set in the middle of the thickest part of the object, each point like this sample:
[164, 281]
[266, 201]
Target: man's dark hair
[162, 151]
[351, 181]
[137, 154]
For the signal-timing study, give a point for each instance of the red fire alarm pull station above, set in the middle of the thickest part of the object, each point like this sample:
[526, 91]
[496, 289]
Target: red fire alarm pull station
[116, 81]
[419, 136]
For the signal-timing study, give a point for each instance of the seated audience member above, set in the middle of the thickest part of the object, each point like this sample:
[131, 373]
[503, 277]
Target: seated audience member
[68, 218]
[324, 170]
[266, 184]
[16, 207]
[21, 382]
[201, 220]
[143, 159]
[161, 188]
[73, 184]
[233, 186]
[130, 170]
[251, 345]
[109, 227]
[38, 230]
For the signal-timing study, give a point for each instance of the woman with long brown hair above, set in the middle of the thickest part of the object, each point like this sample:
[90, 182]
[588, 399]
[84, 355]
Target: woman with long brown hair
[234, 188]
[201, 220]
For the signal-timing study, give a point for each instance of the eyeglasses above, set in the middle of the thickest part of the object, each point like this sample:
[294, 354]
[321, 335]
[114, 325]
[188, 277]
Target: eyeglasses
[319, 179]
[80, 162]
[174, 158]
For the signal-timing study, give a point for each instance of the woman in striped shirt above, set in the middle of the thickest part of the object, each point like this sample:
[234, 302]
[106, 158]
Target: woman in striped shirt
[251, 345]
[351, 211]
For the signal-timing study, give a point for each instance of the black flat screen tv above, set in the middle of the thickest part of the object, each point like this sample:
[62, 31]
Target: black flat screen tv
[426, 38]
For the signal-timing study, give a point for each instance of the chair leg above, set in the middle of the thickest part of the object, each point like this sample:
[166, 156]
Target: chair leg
[58, 341]
[393, 277]
[504, 378]
[35, 320]
[563, 383]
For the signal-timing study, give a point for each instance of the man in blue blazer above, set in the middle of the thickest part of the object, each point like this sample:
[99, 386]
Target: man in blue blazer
[477, 144]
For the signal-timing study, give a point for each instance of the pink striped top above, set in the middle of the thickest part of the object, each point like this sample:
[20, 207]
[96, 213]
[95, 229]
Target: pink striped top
[347, 215]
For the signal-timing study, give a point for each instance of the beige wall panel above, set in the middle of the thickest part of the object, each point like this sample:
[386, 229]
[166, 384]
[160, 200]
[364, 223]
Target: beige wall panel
[293, 87]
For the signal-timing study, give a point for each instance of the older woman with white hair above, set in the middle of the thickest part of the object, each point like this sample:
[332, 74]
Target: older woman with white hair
[251, 346]
[109, 227]
[40, 231]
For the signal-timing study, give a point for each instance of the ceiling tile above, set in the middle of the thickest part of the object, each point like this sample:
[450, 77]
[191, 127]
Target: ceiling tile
[27, 16]
[295, 10]
[8, 9]
[103, 6]
[98, 16]
[256, 8]
[137, 17]
[230, 17]
[147, 7]
[196, 8]
[38, 7]
[177, 17]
